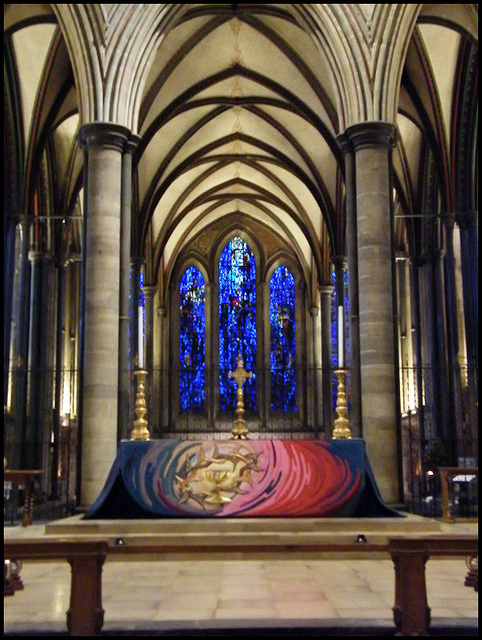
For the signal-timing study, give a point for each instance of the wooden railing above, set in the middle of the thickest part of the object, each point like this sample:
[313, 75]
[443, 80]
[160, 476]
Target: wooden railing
[85, 616]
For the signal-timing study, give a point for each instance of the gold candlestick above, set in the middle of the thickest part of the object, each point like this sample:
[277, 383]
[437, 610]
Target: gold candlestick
[240, 430]
[140, 431]
[342, 426]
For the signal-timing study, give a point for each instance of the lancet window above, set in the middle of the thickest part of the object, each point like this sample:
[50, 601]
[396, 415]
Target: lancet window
[237, 321]
[283, 346]
[213, 332]
[192, 382]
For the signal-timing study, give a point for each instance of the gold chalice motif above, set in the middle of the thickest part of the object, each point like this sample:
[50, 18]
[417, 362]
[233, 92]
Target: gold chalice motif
[217, 477]
[214, 479]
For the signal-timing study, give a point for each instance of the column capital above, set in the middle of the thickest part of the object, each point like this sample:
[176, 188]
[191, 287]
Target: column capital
[149, 290]
[326, 290]
[449, 219]
[372, 134]
[431, 256]
[137, 262]
[104, 134]
[467, 218]
[35, 256]
[132, 143]
[417, 260]
[340, 261]
[314, 312]
[401, 256]
[345, 144]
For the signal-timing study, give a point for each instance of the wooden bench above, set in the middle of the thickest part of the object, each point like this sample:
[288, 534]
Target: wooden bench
[411, 612]
[86, 616]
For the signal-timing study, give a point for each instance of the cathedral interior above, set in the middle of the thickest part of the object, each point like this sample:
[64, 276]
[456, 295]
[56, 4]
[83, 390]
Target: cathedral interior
[191, 185]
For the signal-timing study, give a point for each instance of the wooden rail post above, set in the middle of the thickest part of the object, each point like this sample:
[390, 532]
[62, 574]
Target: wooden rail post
[85, 616]
[411, 612]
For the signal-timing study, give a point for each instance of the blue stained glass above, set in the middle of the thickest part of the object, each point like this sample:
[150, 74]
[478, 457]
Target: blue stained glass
[283, 350]
[192, 341]
[237, 322]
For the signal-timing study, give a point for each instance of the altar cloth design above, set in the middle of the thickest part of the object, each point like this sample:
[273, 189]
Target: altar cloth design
[240, 478]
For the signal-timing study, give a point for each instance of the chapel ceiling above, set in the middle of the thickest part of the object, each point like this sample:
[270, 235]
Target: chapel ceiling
[239, 117]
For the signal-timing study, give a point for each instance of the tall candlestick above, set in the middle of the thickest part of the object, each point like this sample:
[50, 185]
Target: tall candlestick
[341, 339]
[140, 350]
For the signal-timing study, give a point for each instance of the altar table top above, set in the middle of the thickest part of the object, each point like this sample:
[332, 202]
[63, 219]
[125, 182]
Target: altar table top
[240, 478]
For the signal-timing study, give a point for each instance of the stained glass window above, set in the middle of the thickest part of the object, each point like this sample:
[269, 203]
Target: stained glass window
[192, 341]
[237, 321]
[283, 350]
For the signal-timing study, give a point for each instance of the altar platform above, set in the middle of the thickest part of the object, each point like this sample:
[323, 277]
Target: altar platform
[254, 532]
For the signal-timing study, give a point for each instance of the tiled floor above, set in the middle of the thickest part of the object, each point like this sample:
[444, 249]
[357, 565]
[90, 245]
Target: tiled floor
[200, 594]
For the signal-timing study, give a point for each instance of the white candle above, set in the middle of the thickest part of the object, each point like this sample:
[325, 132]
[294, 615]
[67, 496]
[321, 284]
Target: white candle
[140, 350]
[341, 338]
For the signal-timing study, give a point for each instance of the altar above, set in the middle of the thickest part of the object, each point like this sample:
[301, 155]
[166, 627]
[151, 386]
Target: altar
[240, 478]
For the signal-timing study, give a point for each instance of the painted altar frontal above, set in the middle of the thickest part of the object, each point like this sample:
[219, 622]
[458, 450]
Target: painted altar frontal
[240, 478]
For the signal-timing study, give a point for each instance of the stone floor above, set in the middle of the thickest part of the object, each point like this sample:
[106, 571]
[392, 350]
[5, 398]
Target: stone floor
[275, 597]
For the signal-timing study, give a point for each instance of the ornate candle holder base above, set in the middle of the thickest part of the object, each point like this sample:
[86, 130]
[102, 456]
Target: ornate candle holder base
[140, 430]
[240, 430]
[342, 426]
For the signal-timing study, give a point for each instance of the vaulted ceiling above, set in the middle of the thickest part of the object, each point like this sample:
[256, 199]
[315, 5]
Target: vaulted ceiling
[237, 127]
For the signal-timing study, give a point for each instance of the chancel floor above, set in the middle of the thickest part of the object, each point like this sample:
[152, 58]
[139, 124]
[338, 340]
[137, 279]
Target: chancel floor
[274, 597]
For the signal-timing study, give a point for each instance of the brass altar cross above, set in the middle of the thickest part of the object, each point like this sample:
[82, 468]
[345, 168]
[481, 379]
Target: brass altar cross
[240, 429]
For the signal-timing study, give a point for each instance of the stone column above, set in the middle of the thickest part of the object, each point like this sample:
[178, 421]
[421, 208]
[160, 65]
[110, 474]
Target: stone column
[210, 303]
[415, 268]
[455, 408]
[339, 263]
[33, 458]
[372, 144]
[125, 368]
[264, 368]
[326, 366]
[47, 425]
[136, 266]
[149, 293]
[432, 342]
[9, 242]
[19, 349]
[446, 424]
[313, 363]
[163, 388]
[301, 356]
[353, 304]
[468, 223]
[103, 144]
[213, 365]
